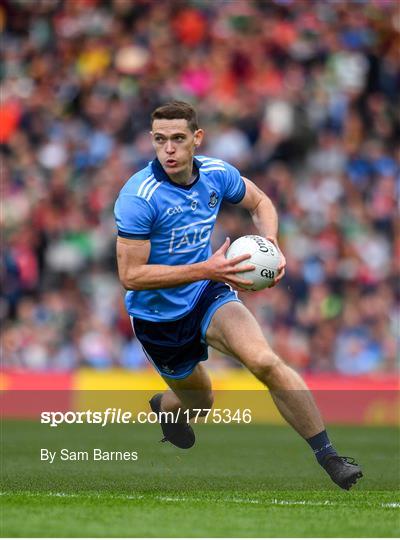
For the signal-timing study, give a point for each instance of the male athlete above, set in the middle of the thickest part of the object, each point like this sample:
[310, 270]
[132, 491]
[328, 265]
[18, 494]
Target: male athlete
[180, 296]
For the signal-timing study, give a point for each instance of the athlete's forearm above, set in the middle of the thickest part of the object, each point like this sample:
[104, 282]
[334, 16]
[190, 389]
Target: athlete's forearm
[265, 218]
[160, 276]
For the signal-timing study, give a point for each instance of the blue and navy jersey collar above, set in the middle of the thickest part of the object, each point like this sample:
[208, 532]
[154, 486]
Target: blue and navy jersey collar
[162, 176]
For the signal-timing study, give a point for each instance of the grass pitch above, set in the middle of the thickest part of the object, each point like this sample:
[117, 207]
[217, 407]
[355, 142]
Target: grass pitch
[239, 480]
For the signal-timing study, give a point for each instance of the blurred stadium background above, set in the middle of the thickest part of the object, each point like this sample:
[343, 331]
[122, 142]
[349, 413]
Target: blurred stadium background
[303, 97]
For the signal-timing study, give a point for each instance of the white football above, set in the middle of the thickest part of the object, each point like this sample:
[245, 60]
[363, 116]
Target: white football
[264, 256]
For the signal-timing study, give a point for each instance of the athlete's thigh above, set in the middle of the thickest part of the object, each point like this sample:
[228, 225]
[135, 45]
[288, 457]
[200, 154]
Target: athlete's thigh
[194, 389]
[234, 330]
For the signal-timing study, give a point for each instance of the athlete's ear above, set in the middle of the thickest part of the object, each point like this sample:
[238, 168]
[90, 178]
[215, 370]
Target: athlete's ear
[198, 137]
[152, 139]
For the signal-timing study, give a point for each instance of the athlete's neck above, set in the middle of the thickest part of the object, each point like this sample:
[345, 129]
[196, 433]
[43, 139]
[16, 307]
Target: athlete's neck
[185, 177]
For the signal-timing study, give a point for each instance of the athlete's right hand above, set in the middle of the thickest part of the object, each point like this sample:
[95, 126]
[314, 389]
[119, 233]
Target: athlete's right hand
[219, 268]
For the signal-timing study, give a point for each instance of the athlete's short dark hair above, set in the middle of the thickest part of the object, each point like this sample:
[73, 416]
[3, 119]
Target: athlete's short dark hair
[174, 110]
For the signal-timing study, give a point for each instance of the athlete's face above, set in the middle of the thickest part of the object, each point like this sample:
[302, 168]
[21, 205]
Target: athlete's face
[175, 145]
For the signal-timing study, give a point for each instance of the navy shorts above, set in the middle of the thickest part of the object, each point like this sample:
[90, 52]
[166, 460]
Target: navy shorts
[176, 347]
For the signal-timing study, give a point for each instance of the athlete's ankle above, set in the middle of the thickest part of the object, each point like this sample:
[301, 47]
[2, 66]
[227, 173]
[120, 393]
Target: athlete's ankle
[321, 446]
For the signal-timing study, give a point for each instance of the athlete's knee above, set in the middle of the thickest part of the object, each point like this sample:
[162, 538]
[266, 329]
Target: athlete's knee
[266, 365]
[206, 402]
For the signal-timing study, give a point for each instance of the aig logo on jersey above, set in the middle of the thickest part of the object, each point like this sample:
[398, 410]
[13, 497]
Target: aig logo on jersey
[191, 237]
[174, 210]
[213, 199]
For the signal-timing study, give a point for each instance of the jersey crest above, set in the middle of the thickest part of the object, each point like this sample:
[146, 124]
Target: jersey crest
[213, 199]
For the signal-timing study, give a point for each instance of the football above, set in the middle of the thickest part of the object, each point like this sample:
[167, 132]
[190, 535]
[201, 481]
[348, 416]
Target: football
[264, 255]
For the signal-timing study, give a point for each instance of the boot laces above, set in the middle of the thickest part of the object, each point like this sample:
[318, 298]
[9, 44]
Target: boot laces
[348, 460]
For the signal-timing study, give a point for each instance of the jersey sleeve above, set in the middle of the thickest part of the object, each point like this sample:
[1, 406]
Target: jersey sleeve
[134, 217]
[235, 188]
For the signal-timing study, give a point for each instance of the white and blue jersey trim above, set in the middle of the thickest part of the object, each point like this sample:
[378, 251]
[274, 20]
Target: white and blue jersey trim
[214, 164]
[211, 164]
[148, 187]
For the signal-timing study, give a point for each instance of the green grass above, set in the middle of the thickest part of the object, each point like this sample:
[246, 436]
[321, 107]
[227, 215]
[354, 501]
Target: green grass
[246, 480]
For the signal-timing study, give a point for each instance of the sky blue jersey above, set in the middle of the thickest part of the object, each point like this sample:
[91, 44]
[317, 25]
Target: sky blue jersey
[178, 221]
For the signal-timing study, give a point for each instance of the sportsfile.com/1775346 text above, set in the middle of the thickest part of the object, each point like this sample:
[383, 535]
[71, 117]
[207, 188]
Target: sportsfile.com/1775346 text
[114, 415]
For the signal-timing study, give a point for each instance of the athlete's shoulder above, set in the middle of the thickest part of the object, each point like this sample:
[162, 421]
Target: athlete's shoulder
[226, 175]
[142, 184]
[216, 166]
[210, 164]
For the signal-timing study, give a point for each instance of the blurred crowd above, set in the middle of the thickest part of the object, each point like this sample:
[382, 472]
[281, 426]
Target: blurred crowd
[301, 95]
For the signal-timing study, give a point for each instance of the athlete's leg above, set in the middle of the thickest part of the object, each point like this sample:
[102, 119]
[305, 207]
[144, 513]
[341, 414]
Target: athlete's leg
[233, 330]
[192, 392]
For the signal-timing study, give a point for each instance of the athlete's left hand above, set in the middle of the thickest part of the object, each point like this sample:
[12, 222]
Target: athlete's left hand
[282, 266]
